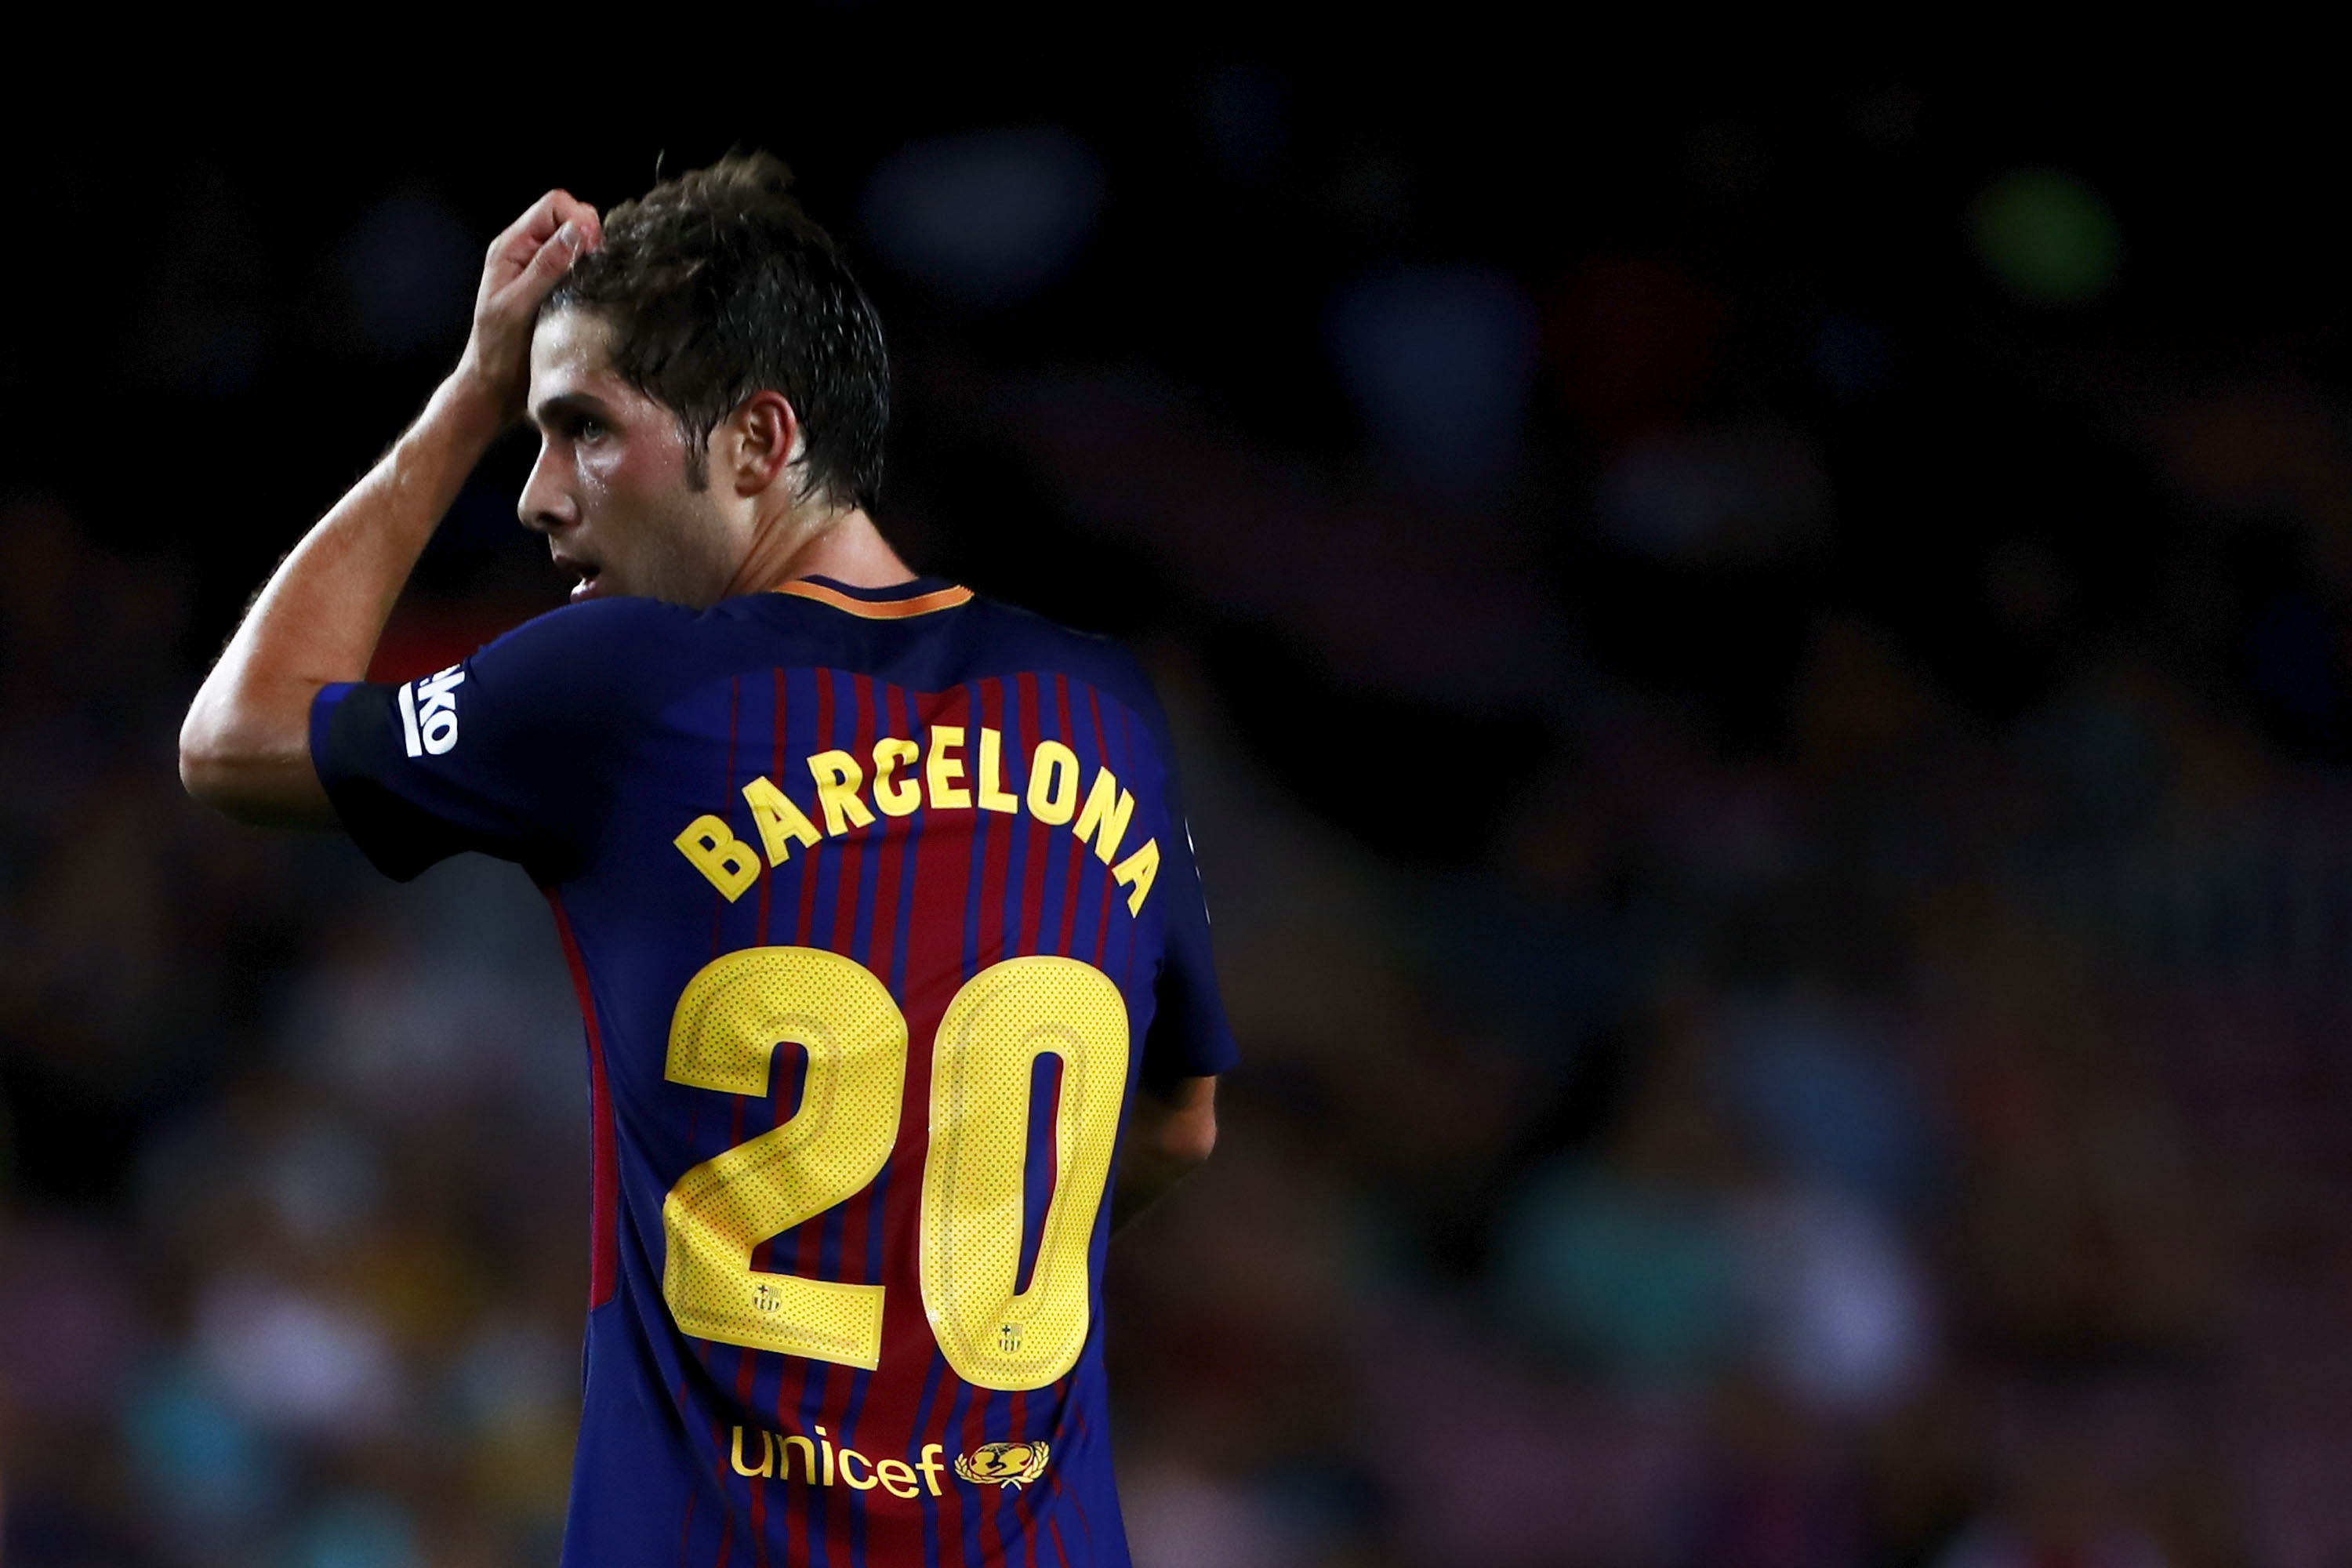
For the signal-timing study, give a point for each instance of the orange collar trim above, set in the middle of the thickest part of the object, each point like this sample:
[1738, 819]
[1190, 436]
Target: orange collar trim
[878, 610]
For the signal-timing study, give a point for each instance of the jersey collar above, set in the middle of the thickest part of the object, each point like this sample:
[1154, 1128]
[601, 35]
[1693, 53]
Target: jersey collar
[921, 596]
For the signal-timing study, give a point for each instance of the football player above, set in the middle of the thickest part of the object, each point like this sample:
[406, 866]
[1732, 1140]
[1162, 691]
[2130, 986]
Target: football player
[877, 895]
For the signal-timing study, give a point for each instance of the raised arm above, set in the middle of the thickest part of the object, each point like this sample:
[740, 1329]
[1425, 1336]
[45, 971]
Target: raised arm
[245, 745]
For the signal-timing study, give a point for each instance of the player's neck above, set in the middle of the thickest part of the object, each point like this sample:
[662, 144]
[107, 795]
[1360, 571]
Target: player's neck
[844, 547]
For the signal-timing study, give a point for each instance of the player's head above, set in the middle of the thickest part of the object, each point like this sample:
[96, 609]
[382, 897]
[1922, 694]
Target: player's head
[713, 363]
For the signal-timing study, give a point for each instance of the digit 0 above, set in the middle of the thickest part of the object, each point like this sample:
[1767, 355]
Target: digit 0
[990, 1038]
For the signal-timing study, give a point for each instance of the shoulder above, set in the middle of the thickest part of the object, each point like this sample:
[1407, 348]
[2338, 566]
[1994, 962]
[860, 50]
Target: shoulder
[1104, 663]
[610, 651]
[600, 630]
[597, 668]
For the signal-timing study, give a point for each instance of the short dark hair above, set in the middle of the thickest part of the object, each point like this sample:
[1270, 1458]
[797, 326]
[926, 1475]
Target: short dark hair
[718, 286]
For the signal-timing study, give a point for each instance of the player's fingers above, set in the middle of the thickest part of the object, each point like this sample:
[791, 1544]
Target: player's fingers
[583, 217]
[523, 237]
[546, 265]
[512, 252]
[563, 208]
[529, 251]
[532, 229]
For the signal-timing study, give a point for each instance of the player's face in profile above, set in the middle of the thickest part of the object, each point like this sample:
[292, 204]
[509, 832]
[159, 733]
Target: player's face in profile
[609, 490]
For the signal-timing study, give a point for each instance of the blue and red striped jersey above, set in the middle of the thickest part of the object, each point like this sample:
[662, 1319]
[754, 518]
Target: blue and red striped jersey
[881, 906]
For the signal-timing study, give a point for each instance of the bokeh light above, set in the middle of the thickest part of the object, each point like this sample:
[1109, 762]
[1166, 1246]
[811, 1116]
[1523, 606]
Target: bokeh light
[987, 218]
[2049, 238]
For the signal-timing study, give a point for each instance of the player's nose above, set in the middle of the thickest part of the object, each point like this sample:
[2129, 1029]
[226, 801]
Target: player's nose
[546, 504]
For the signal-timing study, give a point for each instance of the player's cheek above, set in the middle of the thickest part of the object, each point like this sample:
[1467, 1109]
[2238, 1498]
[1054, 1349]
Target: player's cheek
[628, 474]
[614, 494]
[599, 469]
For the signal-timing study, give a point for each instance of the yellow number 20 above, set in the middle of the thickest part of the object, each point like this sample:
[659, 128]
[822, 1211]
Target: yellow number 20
[730, 1021]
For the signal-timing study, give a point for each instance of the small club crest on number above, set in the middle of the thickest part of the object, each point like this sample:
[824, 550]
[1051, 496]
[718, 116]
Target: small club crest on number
[1008, 1337]
[1011, 1465]
[766, 1297]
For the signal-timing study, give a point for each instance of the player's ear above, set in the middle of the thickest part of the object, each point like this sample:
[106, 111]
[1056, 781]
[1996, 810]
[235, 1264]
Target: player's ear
[765, 437]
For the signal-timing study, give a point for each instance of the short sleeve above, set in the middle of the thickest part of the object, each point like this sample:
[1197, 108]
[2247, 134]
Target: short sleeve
[507, 753]
[1188, 1036]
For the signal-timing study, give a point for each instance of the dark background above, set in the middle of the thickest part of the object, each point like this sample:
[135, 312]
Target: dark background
[1761, 657]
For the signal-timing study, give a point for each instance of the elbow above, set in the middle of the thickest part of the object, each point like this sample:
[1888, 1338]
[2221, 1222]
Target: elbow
[1190, 1140]
[246, 754]
[226, 769]
[211, 782]
[206, 771]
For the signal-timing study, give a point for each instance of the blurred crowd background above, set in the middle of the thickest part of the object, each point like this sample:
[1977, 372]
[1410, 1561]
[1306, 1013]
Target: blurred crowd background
[1793, 976]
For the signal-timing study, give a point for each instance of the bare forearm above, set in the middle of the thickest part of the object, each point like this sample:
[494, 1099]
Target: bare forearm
[1167, 1136]
[1144, 1178]
[245, 744]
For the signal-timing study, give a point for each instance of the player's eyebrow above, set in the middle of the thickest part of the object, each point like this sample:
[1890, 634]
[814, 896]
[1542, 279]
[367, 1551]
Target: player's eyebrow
[569, 407]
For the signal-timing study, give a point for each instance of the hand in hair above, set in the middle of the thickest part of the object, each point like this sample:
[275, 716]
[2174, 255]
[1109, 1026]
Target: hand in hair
[245, 746]
[524, 265]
